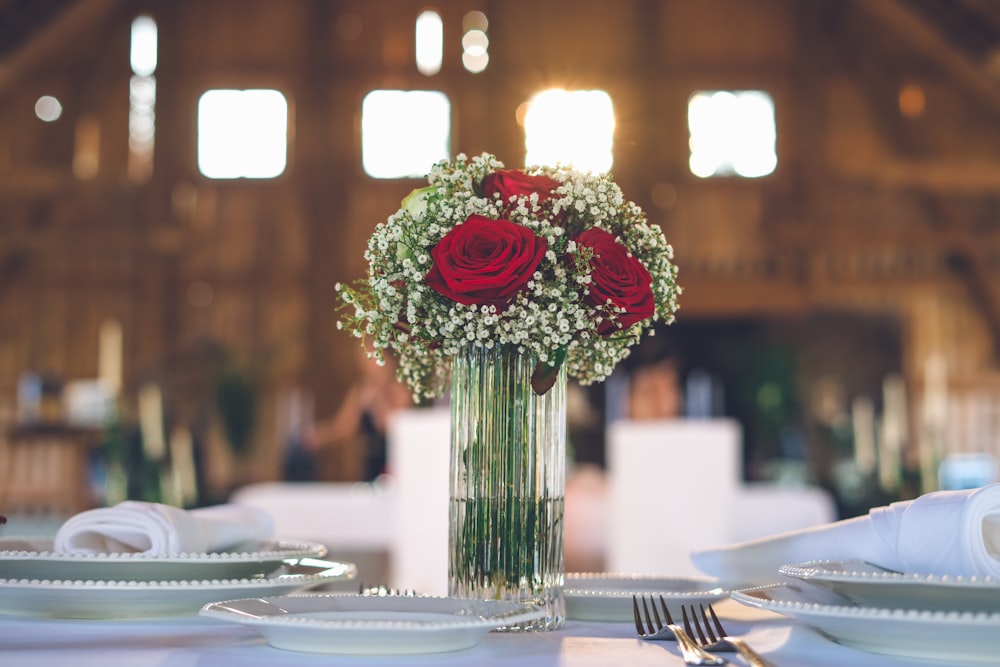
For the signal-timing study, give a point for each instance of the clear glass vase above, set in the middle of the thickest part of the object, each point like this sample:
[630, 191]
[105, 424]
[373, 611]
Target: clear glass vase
[508, 483]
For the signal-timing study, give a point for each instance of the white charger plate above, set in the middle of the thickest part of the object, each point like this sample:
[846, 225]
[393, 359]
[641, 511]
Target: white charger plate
[608, 597]
[372, 625]
[34, 558]
[951, 637]
[85, 598]
[873, 586]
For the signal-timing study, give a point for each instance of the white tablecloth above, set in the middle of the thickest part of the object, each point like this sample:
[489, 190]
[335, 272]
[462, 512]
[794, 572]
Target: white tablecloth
[200, 642]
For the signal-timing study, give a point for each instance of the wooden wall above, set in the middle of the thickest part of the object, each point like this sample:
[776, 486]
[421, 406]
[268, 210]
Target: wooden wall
[869, 211]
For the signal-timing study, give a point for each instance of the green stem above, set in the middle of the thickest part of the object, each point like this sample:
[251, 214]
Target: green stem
[507, 481]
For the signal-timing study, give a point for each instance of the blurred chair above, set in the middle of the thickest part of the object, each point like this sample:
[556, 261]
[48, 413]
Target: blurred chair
[419, 445]
[764, 509]
[675, 486]
[672, 488]
[419, 441]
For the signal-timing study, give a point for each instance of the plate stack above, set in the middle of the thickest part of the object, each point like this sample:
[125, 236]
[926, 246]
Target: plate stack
[35, 580]
[950, 618]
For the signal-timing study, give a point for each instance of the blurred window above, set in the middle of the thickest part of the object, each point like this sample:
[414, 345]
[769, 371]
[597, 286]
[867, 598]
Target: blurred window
[404, 132]
[242, 133]
[732, 133]
[570, 127]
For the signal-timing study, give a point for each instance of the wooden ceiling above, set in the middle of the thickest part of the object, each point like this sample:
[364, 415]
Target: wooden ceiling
[22, 20]
[964, 35]
[33, 34]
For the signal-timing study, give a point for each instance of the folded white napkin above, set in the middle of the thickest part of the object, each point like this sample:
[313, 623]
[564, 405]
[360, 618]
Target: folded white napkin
[154, 528]
[943, 533]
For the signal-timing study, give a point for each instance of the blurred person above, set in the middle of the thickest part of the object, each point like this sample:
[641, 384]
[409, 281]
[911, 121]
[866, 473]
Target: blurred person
[655, 391]
[362, 419]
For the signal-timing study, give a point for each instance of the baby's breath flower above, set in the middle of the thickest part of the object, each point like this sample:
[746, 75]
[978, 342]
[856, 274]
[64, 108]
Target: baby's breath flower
[396, 310]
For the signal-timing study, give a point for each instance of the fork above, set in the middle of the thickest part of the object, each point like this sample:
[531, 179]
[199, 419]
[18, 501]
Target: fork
[714, 637]
[649, 626]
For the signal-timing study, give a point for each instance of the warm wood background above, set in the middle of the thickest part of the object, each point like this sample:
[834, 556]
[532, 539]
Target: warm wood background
[870, 213]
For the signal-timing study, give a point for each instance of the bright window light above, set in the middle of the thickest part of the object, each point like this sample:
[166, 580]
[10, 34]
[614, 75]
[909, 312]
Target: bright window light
[732, 133]
[570, 127]
[429, 43]
[143, 52]
[404, 133]
[242, 133]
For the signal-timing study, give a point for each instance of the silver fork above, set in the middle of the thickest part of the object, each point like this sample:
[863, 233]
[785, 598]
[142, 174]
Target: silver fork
[715, 638]
[650, 626]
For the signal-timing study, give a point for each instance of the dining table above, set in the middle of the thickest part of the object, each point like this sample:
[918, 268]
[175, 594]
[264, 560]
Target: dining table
[275, 601]
[197, 641]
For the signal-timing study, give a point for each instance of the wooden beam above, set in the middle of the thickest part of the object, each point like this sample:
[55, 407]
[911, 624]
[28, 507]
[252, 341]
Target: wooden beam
[710, 297]
[924, 36]
[939, 176]
[62, 30]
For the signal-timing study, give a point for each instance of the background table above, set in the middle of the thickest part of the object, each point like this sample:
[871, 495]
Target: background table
[44, 469]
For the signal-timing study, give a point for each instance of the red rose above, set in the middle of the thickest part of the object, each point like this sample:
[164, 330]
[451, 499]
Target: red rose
[514, 183]
[619, 277]
[484, 261]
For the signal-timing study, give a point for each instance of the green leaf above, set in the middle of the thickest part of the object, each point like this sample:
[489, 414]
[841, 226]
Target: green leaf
[545, 374]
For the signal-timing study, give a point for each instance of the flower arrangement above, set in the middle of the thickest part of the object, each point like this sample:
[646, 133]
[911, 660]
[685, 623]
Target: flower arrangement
[549, 260]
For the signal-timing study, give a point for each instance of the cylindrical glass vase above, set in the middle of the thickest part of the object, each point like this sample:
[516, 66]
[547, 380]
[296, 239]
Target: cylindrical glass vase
[508, 483]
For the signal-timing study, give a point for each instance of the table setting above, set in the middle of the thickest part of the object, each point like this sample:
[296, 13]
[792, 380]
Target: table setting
[916, 578]
[493, 286]
[141, 559]
[846, 609]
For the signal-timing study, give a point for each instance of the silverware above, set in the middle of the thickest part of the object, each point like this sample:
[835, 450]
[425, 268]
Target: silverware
[714, 637]
[650, 626]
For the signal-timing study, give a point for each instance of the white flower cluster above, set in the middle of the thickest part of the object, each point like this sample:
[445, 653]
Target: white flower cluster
[397, 310]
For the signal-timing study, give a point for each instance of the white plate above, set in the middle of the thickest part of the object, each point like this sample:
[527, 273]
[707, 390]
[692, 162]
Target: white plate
[65, 598]
[948, 636]
[608, 597]
[870, 585]
[361, 624]
[33, 558]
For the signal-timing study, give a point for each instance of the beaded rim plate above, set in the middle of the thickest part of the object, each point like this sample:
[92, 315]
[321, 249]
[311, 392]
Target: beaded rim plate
[952, 637]
[608, 597]
[65, 598]
[870, 585]
[369, 625]
[33, 558]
